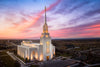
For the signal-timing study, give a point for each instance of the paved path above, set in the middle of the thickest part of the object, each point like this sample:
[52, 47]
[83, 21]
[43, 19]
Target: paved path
[16, 58]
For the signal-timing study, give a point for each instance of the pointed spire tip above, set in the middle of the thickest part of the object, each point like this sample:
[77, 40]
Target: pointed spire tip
[45, 14]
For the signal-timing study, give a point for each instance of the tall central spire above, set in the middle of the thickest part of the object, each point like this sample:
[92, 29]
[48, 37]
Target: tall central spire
[45, 26]
[45, 15]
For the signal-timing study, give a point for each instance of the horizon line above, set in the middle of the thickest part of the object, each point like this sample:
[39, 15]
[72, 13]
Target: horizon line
[52, 38]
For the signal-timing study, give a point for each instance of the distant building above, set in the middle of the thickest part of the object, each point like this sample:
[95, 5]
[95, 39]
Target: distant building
[39, 51]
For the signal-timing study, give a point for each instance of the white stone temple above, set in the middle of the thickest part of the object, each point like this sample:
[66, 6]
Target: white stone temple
[40, 51]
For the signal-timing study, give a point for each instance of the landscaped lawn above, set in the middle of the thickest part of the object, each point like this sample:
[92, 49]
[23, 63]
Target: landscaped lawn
[3, 53]
[6, 60]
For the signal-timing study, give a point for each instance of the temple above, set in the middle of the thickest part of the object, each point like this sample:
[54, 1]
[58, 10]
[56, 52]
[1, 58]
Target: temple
[38, 51]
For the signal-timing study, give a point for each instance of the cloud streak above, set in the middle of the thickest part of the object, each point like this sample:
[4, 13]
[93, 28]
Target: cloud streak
[35, 19]
[24, 24]
[65, 18]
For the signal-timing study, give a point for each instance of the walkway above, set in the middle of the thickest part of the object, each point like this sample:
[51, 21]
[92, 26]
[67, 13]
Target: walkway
[16, 58]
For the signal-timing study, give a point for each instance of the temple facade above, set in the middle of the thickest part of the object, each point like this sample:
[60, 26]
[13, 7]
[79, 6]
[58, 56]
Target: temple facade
[38, 51]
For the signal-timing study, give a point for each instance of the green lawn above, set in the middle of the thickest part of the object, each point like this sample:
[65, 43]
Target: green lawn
[6, 60]
[3, 53]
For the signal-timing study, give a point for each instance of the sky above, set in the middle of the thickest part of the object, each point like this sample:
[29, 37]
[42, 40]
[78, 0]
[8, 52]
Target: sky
[24, 19]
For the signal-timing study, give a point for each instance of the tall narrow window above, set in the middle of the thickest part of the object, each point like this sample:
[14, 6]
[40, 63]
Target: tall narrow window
[47, 47]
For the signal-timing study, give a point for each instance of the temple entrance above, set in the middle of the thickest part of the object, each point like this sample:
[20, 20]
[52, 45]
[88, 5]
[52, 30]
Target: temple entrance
[47, 57]
[33, 53]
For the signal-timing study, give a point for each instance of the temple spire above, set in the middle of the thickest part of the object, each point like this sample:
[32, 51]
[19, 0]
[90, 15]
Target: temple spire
[45, 26]
[45, 15]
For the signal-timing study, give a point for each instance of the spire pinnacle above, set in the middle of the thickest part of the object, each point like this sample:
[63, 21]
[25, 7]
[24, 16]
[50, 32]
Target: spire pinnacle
[45, 14]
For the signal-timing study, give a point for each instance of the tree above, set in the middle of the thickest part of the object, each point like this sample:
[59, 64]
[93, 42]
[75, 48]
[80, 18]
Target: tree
[17, 64]
[26, 60]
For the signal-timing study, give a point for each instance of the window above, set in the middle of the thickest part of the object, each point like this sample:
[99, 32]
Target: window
[47, 57]
[41, 43]
[47, 47]
[46, 35]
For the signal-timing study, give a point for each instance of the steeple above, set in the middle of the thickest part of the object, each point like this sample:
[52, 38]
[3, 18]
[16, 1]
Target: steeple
[45, 26]
[45, 15]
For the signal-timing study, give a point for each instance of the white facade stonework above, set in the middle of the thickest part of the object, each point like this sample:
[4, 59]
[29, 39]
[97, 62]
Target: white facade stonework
[39, 51]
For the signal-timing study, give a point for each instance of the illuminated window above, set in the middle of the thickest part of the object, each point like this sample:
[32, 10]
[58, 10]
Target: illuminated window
[47, 47]
[47, 42]
[33, 53]
[46, 35]
[41, 43]
[47, 57]
[46, 31]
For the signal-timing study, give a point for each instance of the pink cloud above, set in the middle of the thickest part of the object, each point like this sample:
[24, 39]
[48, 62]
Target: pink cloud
[17, 29]
[76, 32]
[22, 27]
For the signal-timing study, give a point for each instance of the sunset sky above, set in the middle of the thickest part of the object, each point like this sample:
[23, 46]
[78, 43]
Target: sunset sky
[24, 19]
